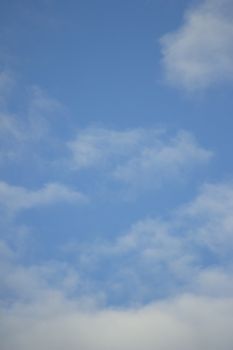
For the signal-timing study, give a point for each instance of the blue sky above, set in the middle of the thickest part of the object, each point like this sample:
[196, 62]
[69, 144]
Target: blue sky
[116, 185]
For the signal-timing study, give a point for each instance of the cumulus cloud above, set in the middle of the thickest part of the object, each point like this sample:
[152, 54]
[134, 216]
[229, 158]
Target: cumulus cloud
[137, 156]
[200, 52]
[16, 198]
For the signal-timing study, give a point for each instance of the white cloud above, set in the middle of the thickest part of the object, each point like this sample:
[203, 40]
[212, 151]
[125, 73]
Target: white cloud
[200, 52]
[184, 323]
[137, 156]
[15, 198]
[36, 282]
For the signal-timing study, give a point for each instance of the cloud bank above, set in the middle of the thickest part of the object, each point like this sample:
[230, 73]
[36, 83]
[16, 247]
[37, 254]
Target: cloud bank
[184, 323]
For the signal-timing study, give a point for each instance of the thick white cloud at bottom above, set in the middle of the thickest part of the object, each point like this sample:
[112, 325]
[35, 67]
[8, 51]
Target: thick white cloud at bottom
[187, 322]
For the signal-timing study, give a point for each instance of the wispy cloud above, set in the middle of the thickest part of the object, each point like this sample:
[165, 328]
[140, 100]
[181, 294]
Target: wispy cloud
[159, 162]
[189, 251]
[16, 198]
[200, 52]
[42, 111]
[23, 129]
[95, 147]
[137, 156]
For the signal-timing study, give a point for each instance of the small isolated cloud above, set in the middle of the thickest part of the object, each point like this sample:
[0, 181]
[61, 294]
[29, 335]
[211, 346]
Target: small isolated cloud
[137, 156]
[16, 198]
[200, 52]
